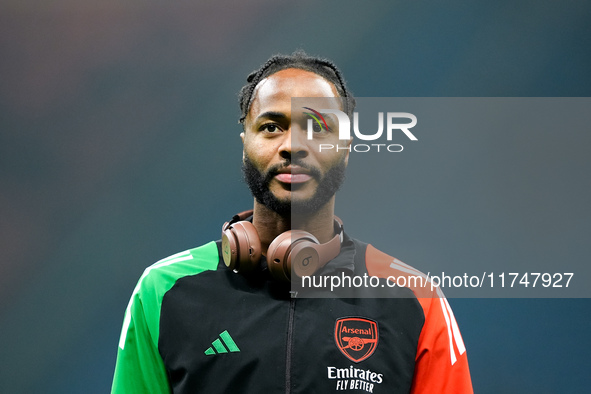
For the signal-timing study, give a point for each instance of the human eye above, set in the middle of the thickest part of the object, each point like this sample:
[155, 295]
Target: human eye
[317, 127]
[317, 124]
[270, 128]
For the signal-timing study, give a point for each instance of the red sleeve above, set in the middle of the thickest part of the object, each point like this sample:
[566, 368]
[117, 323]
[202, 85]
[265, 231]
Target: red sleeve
[441, 364]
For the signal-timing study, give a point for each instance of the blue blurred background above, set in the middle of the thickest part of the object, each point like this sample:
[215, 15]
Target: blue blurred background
[119, 146]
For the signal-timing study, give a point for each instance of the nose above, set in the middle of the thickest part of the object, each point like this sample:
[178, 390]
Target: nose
[295, 145]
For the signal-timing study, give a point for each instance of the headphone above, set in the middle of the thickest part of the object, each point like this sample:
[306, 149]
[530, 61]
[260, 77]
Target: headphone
[297, 249]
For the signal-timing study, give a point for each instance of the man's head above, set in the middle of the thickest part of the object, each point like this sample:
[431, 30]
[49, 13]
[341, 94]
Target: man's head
[284, 170]
[300, 60]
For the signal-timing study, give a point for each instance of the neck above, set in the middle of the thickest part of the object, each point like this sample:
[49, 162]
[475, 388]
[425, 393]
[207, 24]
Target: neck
[270, 224]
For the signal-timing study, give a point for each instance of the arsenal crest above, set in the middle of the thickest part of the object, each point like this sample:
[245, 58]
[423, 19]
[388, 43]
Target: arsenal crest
[356, 337]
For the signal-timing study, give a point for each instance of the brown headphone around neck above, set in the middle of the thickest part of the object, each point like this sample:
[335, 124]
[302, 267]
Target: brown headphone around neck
[297, 249]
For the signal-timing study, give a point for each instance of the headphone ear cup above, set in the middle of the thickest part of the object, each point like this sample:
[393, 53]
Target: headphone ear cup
[241, 246]
[305, 259]
[296, 243]
[278, 257]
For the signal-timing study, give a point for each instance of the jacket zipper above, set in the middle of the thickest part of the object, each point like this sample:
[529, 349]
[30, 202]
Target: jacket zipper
[289, 346]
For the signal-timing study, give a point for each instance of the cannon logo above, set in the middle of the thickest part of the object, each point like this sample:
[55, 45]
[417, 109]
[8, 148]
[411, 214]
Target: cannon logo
[356, 337]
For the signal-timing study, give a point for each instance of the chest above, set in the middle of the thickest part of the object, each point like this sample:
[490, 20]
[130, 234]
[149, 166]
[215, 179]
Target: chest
[225, 336]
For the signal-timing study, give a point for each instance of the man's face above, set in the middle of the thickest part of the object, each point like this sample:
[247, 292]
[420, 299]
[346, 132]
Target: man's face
[284, 170]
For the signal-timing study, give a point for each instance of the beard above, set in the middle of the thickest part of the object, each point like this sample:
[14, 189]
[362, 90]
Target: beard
[258, 183]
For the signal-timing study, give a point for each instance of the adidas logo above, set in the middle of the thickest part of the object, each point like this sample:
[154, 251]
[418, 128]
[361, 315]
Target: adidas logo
[218, 345]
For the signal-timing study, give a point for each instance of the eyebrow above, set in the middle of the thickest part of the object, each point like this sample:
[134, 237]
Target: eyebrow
[272, 115]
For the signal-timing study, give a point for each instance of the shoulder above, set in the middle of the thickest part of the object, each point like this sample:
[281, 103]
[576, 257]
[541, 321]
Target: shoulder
[156, 280]
[165, 272]
[402, 275]
[385, 266]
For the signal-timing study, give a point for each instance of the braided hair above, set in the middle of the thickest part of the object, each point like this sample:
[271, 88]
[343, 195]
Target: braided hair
[299, 59]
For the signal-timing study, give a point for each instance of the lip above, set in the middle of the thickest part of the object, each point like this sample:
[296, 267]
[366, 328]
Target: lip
[293, 174]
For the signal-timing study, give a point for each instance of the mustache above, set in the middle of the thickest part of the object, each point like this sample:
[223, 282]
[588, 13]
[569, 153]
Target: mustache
[274, 170]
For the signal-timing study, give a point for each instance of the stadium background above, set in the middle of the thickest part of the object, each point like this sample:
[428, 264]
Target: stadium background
[119, 146]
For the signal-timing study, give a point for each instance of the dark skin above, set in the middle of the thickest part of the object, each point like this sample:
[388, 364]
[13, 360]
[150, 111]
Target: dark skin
[273, 136]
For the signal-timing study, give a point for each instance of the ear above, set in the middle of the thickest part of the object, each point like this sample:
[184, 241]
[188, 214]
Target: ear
[242, 138]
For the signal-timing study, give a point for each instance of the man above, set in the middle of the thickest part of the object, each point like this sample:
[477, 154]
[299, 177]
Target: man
[193, 325]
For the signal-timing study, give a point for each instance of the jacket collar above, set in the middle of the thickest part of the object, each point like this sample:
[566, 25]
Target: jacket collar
[344, 262]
